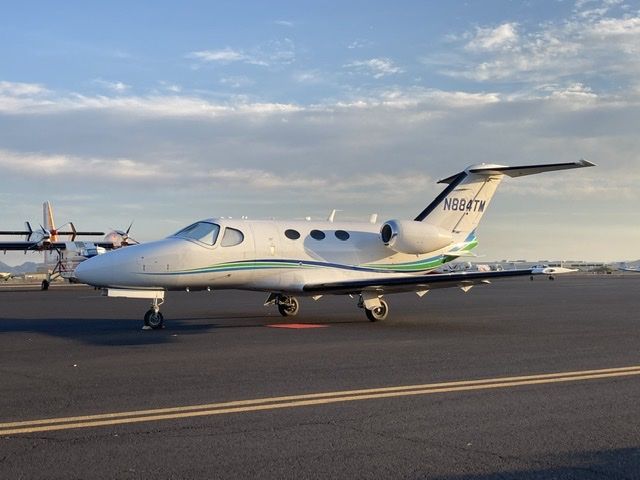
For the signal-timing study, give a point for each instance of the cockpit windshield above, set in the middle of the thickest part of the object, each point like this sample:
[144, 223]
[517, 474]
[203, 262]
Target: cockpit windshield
[203, 232]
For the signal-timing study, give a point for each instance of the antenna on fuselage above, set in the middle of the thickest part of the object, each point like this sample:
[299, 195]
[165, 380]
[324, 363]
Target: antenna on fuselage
[373, 218]
[332, 215]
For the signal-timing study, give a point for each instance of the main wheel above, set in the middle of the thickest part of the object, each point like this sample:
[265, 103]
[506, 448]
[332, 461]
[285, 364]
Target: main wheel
[288, 307]
[153, 319]
[45, 285]
[378, 313]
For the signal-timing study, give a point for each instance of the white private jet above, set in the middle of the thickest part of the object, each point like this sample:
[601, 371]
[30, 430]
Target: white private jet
[6, 276]
[289, 258]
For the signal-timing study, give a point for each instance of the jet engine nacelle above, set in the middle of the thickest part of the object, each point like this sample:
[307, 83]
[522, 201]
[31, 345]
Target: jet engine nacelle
[409, 236]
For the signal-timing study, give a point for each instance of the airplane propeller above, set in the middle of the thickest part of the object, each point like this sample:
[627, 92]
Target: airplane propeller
[125, 239]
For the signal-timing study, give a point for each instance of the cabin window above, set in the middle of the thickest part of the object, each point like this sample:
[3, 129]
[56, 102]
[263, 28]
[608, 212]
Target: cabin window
[317, 234]
[232, 237]
[203, 232]
[342, 235]
[292, 234]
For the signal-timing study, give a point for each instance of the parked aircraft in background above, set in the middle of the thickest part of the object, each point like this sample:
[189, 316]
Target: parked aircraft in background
[289, 258]
[624, 268]
[62, 257]
[6, 276]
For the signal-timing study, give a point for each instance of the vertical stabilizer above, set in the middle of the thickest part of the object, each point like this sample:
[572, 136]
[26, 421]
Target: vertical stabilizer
[460, 206]
[47, 218]
[48, 223]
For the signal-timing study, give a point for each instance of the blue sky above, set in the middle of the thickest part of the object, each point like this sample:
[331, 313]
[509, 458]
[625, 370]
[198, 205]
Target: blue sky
[165, 113]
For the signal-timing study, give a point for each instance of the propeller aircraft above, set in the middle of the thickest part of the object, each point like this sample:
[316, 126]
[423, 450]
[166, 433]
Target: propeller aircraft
[63, 256]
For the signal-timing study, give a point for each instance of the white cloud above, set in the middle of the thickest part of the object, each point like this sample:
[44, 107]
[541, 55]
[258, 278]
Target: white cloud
[70, 166]
[359, 44]
[116, 86]
[17, 89]
[154, 105]
[225, 55]
[171, 87]
[376, 67]
[284, 23]
[309, 77]
[236, 81]
[502, 37]
[74, 168]
[278, 52]
[582, 47]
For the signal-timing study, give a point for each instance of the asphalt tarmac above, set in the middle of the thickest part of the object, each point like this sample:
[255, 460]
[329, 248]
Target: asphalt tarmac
[519, 379]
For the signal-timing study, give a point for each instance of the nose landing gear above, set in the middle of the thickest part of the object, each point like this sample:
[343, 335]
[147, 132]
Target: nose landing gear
[153, 319]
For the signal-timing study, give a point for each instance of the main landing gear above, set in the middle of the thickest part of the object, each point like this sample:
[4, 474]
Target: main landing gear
[378, 313]
[153, 319]
[375, 308]
[287, 306]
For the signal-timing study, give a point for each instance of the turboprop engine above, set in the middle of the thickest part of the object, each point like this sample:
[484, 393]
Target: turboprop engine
[409, 236]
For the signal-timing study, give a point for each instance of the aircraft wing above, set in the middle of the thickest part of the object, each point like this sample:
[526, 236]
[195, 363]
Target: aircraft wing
[412, 283]
[24, 246]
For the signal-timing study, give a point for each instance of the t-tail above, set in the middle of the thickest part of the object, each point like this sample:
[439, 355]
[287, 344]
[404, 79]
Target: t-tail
[460, 206]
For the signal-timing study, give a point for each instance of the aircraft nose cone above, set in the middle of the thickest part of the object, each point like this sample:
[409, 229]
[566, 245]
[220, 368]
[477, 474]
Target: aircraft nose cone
[124, 267]
[97, 271]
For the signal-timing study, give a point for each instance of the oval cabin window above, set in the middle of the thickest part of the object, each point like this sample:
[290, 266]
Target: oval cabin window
[317, 234]
[292, 234]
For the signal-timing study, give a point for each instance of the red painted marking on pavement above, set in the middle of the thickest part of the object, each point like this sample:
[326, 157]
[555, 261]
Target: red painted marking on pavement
[295, 326]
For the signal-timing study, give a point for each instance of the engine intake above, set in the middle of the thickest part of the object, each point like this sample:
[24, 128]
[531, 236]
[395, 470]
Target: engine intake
[409, 236]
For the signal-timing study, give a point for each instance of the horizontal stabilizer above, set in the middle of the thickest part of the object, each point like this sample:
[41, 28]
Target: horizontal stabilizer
[521, 171]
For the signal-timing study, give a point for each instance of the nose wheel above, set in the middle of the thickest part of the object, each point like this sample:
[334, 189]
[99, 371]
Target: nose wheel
[153, 319]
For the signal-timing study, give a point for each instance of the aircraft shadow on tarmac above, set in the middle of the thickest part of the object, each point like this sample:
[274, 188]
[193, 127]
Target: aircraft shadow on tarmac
[100, 331]
[615, 463]
[119, 331]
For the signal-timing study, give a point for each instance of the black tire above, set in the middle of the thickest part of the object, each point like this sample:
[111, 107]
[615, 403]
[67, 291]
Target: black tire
[45, 285]
[154, 319]
[289, 307]
[379, 313]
